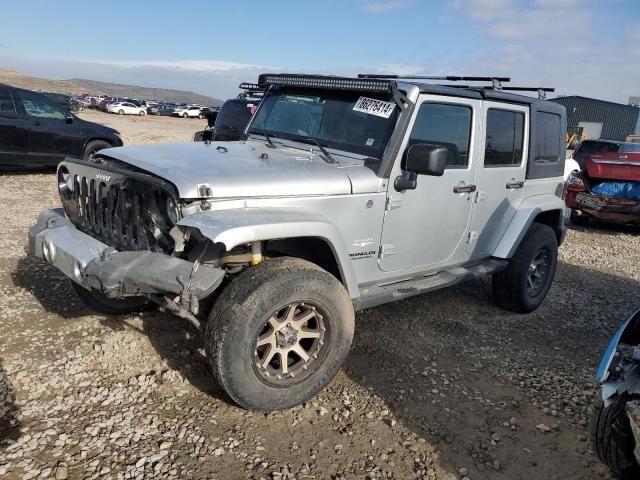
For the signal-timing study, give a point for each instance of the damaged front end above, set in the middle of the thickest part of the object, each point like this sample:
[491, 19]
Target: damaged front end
[116, 235]
[619, 374]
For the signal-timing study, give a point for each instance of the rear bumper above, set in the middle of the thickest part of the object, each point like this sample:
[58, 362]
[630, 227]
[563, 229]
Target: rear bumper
[603, 208]
[97, 266]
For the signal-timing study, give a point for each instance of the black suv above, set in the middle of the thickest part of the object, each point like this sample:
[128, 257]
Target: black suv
[37, 132]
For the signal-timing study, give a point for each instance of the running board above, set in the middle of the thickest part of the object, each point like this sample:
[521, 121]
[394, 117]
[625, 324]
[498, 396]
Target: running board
[374, 295]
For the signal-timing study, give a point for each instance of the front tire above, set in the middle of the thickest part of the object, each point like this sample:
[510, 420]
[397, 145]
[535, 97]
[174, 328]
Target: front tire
[142, 113]
[94, 147]
[111, 306]
[279, 333]
[524, 284]
[612, 438]
[184, 115]
[120, 112]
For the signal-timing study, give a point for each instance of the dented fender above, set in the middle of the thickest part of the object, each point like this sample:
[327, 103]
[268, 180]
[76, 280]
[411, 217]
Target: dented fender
[616, 374]
[527, 212]
[240, 226]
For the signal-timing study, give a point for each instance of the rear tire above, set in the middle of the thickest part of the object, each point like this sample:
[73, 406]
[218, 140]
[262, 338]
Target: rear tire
[579, 220]
[524, 284]
[111, 306]
[93, 147]
[263, 319]
[612, 439]
[200, 116]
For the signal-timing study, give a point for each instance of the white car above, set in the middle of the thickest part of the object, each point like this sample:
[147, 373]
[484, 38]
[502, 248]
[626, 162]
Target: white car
[126, 108]
[190, 111]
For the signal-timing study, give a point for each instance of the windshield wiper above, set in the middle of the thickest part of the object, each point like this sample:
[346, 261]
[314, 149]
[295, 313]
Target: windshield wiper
[325, 153]
[266, 135]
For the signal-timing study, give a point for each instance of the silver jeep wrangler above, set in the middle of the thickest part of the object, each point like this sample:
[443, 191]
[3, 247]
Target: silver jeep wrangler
[347, 193]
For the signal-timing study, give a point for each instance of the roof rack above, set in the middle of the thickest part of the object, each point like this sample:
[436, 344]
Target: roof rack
[496, 82]
[251, 90]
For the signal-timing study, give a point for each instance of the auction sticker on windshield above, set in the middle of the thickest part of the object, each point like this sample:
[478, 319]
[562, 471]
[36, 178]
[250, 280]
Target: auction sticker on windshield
[373, 106]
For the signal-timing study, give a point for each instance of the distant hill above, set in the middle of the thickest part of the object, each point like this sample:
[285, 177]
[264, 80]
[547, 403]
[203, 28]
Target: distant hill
[146, 93]
[77, 86]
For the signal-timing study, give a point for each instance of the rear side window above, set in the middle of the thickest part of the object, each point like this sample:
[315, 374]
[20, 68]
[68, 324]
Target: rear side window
[505, 133]
[547, 138]
[7, 107]
[445, 125]
[630, 148]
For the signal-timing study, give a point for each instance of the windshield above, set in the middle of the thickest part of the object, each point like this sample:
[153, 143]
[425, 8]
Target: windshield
[350, 121]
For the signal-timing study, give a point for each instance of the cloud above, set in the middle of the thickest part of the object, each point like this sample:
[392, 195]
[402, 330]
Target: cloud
[555, 43]
[386, 6]
[193, 65]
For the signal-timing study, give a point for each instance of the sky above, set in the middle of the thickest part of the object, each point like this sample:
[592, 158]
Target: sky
[581, 47]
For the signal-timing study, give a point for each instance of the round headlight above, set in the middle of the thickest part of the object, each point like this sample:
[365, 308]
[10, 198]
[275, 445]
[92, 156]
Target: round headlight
[173, 213]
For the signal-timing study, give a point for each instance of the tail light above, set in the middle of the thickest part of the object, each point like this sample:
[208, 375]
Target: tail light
[573, 154]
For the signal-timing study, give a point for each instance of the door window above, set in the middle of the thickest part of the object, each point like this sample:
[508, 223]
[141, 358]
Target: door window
[37, 106]
[505, 132]
[445, 125]
[7, 107]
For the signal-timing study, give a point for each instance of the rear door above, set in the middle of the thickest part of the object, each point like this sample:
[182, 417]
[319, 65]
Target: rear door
[13, 131]
[501, 175]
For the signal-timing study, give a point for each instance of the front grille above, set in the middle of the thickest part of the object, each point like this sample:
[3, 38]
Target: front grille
[125, 212]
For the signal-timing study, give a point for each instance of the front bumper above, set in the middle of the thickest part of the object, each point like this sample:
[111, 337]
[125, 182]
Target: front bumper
[97, 266]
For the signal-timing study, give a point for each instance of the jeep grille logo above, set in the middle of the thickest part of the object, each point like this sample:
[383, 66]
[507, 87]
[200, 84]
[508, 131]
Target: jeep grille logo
[102, 176]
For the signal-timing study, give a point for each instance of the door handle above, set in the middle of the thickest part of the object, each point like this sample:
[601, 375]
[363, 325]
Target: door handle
[464, 188]
[513, 185]
[37, 123]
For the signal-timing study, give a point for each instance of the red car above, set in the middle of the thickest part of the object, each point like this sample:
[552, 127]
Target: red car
[608, 188]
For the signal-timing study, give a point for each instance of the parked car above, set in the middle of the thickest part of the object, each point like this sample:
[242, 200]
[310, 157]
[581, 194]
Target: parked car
[589, 147]
[191, 111]
[162, 110]
[36, 132]
[615, 421]
[607, 188]
[228, 124]
[319, 213]
[126, 108]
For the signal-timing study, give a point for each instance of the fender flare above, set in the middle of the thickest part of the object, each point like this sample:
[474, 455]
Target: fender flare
[239, 226]
[527, 212]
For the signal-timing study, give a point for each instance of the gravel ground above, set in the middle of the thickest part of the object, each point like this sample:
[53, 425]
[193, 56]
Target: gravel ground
[441, 386]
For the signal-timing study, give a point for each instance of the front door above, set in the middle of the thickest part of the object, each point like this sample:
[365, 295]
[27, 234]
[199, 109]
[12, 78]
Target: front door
[501, 175]
[427, 228]
[51, 138]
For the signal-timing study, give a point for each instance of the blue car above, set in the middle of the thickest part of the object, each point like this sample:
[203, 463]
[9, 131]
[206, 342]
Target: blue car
[615, 424]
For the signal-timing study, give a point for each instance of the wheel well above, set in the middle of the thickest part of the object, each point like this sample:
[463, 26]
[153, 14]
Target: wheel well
[94, 139]
[312, 249]
[553, 219]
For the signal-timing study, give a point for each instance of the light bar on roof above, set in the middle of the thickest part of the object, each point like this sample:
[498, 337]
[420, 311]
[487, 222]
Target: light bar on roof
[328, 82]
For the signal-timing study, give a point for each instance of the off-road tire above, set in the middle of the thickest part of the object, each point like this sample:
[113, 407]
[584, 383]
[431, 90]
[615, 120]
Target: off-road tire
[109, 306]
[612, 439]
[93, 147]
[240, 313]
[509, 286]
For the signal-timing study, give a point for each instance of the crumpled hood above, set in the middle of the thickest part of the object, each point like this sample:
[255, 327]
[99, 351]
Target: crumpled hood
[240, 169]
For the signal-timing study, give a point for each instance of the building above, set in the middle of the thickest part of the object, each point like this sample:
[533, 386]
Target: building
[601, 119]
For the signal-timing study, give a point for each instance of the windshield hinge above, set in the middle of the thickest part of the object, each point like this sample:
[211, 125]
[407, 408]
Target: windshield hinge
[401, 99]
[393, 203]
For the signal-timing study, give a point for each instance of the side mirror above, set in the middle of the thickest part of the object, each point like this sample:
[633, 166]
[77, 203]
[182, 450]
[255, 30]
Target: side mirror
[427, 159]
[421, 159]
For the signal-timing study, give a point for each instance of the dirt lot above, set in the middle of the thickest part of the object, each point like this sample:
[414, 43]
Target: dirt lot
[441, 386]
